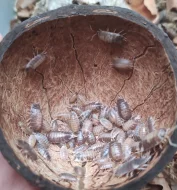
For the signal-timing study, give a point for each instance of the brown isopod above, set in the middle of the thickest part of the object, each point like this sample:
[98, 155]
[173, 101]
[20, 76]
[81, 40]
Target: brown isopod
[43, 151]
[42, 139]
[122, 65]
[121, 137]
[74, 122]
[36, 118]
[60, 137]
[32, 141]
[87, 127]
[110, 37]
[98, 129]
[129, 125]
[105, 137]
[64, 155]
[36, 61]
[115, 151]
[80, 138]
[114, 117]
[123, 109]
[91, 139]
[67, 177]
[73, 98]
[106, 124]
[26, 150]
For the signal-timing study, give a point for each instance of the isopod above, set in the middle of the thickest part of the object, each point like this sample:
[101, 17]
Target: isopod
[64, 155]
[54, 125]
[32, 140]
[67, 177]
[123, 109]
[114, 117]
[150, 124]
[80, 148]
[81, 100]
[79, 171]
[76, 109]
[80, 138]
[97, 146]
[105, 137]
[36, 61]
[42, 139]
[115, 132]
[91, 139]
[43, 151]
[89, 155]
[127, 148]
[104, 112]
[143, 131]
[131, 165]
[98, 129]
[87, 127]
[74, 122]
[106, 124]
[26, 150]
[129, 125]
[110, 37]
[121, 137]
[115, 151]
[105, 151]
[71, 144]
[84, 115]
[136, 135]
[60, 137]
[95, 119]
[36, 118]
[73, 98]
[107, 165]
[63, 117]
[122, 64]
[93, 106]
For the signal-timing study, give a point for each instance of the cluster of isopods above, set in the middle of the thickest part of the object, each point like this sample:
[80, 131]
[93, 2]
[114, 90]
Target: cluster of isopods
[111, 137]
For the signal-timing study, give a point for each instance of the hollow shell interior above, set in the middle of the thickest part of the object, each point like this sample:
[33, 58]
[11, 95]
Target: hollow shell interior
[77, 60]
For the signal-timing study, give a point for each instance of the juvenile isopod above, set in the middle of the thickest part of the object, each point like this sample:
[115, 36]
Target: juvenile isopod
[98, 129]
[127, 148]
[43, 151]
[60, 137]
[76, 109]
[36, 118]
[87, 127]
[106, 124]
[129, 125]
[36, 61]
[123, 109]
[54, 125]
[71, 144]
[89, 155]
[104, 112]
[64, 155]
[91, 139]
[63, 117]
[26, 150]
[32, 140]
[95, 119]
[80, 138]
[115, 132]
[74, 122]
[67, 177]
[115, 151]
[122, 65]
[110, 37]
[131, 165]
[73, 98]
[143, 131]
[136, 135]
[105, 151]
[105, 137]
[93, 106]
[42, 139]
[80, 148]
